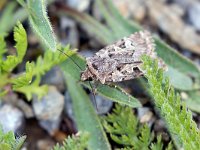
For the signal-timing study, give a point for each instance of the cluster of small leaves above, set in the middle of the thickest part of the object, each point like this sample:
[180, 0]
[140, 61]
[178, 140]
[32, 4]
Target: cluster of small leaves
[41, 66]
[23, 82]
[75, 142]
[125, 129]
[9, 142]
[178, 118]
[11, 61]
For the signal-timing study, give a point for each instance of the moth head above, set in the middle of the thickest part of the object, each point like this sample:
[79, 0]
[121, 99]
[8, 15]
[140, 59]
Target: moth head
[86, 75]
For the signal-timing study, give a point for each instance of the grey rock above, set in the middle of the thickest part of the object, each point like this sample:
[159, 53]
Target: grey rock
[193, 15]
[187, 53]
[68, 106]
[48, 110]
[45, 144]
[145, 115]
[54, 77]
[159, 125]
[183, 3]
[192, 8]
[27, 110]
[69, 32]
[13, 99]
[87, 53]
[11, 118]
[80, 5]
[102, 105]
[68, 109]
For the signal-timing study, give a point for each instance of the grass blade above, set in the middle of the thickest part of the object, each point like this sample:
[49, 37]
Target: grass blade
[85, 116]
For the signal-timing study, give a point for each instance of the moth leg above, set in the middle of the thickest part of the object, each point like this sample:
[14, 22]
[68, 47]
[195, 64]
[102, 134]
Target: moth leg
[95, 86]
[93, 94]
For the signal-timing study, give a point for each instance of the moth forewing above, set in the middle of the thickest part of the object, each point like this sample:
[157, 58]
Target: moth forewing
[120, 61]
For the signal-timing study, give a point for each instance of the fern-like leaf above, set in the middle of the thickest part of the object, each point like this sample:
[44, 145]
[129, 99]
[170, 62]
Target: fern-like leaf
[33, 88]
[9, 142]
[158, 145]
[2, 47]
[178, 118]
[123, 127]
[76, 142]
[51, 59]
[21, 45]
[125, 130]
[24, 79]
[21, 41]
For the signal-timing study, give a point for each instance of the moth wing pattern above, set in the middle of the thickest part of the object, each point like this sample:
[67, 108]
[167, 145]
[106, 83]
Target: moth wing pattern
[121, 60]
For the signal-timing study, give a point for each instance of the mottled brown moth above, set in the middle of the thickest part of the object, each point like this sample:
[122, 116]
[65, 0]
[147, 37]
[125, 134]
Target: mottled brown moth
[120, 61]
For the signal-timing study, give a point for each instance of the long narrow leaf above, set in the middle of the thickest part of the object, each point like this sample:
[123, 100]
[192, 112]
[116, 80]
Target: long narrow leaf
[85, 116]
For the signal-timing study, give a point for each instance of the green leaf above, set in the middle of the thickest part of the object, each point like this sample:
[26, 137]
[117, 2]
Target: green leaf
[19, 142]
[24, 79]
[40, 23]
[176, 60]
[21, 41]
[179, 80]
[2, 47]
[158, 145]
[75, 142]
[192, 100]
[9, 142]
[32, 89]
[51, 59]
[85, 116]
[9, 64]
[6, 16]
[125, 129]
[114, 13]
[5, 146]
[172, 109]
[113, 93]
[118, 31]
[21, 45]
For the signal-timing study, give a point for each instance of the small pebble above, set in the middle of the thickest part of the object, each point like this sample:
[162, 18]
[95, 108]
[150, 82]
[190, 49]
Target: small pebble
[11, 118]
[102, 105]
[193, 15]
[80, 5]
[48, 110]
[69, 32]
[45, 144]
[145, 115]
[54, 77]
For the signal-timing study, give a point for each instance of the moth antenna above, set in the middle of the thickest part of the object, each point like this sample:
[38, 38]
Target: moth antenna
[70, 58]
[81, 70]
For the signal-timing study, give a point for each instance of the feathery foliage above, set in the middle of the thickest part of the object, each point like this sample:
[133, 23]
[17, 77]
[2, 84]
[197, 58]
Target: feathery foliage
[75, 142]
[41, 66]
[2, 47]
[12, 61]
[23, 82]
[178, 118]
[9, 142]
[124, 129]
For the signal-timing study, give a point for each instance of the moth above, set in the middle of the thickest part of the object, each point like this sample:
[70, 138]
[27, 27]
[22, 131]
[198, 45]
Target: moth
[120, 61]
